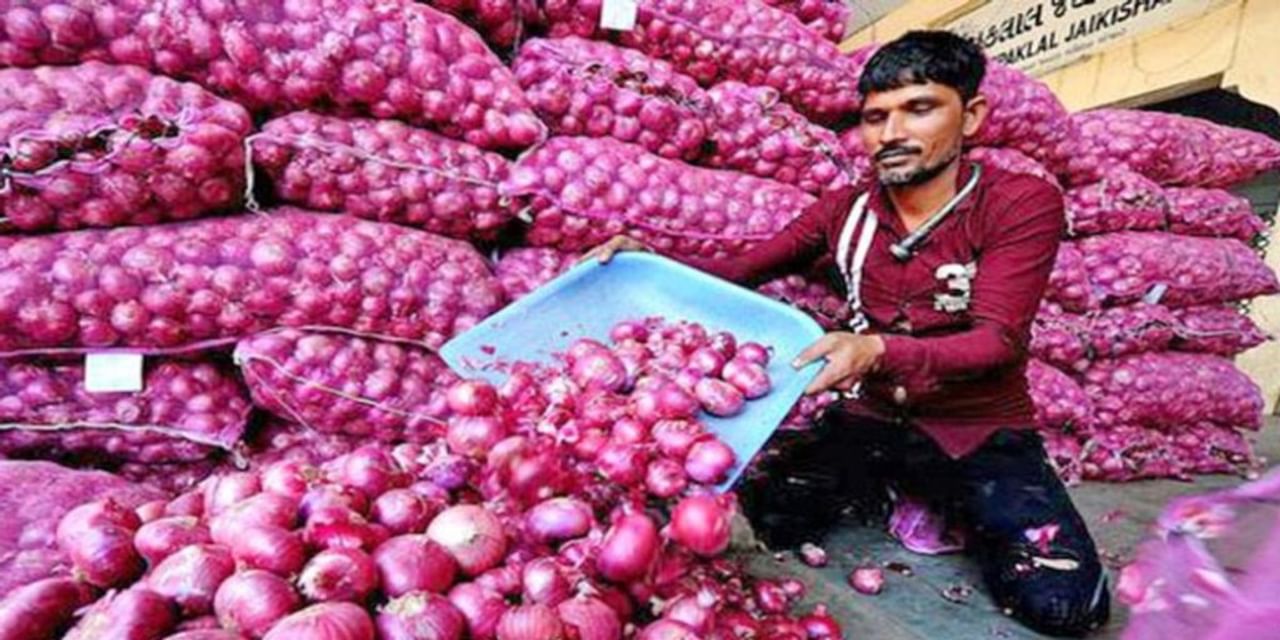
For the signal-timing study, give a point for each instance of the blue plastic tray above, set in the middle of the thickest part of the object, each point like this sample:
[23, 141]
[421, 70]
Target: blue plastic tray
[589, 299]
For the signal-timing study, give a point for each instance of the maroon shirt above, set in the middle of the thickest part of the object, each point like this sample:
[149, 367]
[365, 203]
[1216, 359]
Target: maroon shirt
[959, 375]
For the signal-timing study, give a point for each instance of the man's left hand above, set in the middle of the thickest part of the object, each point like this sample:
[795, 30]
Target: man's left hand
[850, 357]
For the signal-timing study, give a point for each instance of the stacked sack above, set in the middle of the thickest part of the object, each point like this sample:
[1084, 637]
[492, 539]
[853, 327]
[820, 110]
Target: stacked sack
[1142, 311]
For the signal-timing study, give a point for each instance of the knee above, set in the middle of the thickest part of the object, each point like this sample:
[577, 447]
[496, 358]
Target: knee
[1059, 612]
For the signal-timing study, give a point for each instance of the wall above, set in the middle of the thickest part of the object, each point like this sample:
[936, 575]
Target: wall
[1235, 47]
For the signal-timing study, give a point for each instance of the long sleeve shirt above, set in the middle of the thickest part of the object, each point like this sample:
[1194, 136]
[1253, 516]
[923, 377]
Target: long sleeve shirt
[958, 374]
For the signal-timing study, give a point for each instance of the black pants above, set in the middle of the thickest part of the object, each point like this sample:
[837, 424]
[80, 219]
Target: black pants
[1003, 495]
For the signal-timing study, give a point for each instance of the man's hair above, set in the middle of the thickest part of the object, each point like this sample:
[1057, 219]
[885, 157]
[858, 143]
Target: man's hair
[919, 57]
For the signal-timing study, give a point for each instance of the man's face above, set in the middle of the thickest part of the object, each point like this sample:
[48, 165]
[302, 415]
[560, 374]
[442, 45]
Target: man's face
[915, 132]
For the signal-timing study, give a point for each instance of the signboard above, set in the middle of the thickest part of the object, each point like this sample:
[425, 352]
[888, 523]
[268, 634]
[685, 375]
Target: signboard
[1038, 36]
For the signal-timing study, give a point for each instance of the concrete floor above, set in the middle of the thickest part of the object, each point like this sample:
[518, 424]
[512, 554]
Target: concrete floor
[913, 607]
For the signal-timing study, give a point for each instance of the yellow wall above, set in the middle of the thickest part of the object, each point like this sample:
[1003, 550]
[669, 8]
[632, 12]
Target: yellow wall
[1236, 47]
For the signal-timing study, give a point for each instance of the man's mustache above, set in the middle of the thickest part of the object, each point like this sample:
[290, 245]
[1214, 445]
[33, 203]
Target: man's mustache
[895, 151]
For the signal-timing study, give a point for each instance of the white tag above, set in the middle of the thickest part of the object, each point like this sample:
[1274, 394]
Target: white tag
[619, 15]
[112, 372]
[1155, 293]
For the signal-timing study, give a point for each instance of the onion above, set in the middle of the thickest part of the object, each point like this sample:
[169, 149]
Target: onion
[676, 437]
[270, 549]
[719, 398]
[261, 510]
[291, 478]
[98, 538]
[42, 609]
[694, 611]
[623, 464]
[559, 519]
[664, 401]
[629, 548]
[474, 436]
[190, 503]
[160, 538]
[587, 618]
[544, 583]
[421, 616]
[191, 577]
[472, 535]
[206, 634]
[628, 431]
[252, 601]
[329, 620]
[709, 461]
[667, 630]
[371, 469]
[665, 478]
[867, 580]
[794, 589]
[813, 555]
[707, 361]
[505, 580]
[414, 562]
[819, 625]
[769, 596]
[403, 511]
[530, 622]
[151, 510]
[536, 475]
[748, 377]
[753, 352]
[701, 524]
[481, 607]
[472, 398]
[136, 613]
[599, 370]
[348, 575]
[330, 496]
[224, 490]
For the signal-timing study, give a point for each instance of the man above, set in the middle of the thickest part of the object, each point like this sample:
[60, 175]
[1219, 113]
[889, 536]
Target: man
[945, 262]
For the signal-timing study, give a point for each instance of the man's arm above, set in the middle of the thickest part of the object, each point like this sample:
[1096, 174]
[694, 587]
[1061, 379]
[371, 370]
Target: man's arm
[802, 240]
[1012, 273]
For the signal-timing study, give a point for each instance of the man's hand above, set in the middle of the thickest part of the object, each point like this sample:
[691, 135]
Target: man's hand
[604, 253]
[849, 357]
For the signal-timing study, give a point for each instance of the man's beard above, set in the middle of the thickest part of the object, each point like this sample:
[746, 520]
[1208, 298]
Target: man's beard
[909, 177]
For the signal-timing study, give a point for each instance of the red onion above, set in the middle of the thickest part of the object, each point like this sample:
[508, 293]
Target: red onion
[224, 490]
[629, 330]
[666, 401]
[676, 437]
[330, 496]
[696, 611]
[252, 601]
[414, 562]
[599, 370]
[537, 474]
[667, 630]
[348, 575]
[559, 519]
[530, 622]
[707, 360]
[769, 596]
[271, 549]
[370, 469]
[780, 627]
[629, 548]
[151, 510]
[819, 625]
[290, 478]
[588, 446]
[136, 613]
[472, 535]
[190, 503]
[264, 509]
[421, 616]
[329, 620]
[160, 538]
[344, 530]
[101, 553]
[629, 431]
[403, 511]
[544, 583]
[665, 478]
[738, 624]
[623, 464]
[481, 607]
[794, 589]
[701, 524]
[587, 618]
[505, 580]
[474, 436]
[472, 398]
[748, 377]
[206, 634]
[191, 577]
[813, 555]
[867, 580]
[42, 609]
[719, 398]
[753, 352]
[709, 461]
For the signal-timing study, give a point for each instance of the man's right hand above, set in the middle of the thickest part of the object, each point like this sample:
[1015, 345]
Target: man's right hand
[604, 253]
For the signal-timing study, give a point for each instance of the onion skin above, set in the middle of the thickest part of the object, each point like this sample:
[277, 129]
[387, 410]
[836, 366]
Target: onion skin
[42, 609]
[472, 535]
[191, 577]
[481, 607]
[329, 620]
[414, 562]
[128, 615]
[421, 616]
[339, 575]
[629, 548]
[530, 622]
[252, 601]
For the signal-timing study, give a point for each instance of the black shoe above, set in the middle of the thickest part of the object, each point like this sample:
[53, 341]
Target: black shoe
[1051, 588]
